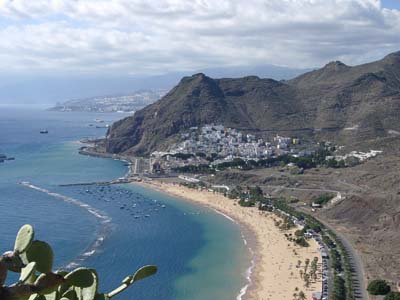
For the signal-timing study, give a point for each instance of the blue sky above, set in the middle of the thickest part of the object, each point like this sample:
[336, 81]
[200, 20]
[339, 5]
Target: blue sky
[391, 4]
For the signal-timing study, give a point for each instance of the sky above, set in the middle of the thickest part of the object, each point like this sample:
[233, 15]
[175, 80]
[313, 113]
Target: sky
[100, 38]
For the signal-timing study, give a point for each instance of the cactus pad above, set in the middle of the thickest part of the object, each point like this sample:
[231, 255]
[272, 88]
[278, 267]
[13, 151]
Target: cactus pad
[24, 238]
[70, 294]
[37, 297]
[27, 272]
[52, 296]
[41, 253]
[80, 277]
[101, 297]
[89, 293]
[144, 272]
[48, 283]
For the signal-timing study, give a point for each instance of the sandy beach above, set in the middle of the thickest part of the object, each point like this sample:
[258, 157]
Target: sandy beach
[276, 273]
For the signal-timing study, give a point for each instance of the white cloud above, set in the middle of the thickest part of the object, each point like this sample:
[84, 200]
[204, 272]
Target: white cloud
[140, 36]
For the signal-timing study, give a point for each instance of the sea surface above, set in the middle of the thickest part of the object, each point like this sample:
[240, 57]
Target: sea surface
[115, 229]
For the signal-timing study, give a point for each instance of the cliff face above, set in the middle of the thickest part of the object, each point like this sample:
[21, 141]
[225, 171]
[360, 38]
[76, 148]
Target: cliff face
[338, 102]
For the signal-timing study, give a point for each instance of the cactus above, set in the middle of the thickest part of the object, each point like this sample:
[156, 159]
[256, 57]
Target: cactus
[41, 253]
[24, 238]
[33, 259]
[70, 294]
[81, 277]
[142, 273]
[27, 272]
[90, 292]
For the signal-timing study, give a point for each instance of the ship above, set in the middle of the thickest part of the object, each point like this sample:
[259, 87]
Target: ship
[44, 131]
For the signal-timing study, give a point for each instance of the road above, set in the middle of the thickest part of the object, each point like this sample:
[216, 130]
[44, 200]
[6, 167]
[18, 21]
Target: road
[359, 287]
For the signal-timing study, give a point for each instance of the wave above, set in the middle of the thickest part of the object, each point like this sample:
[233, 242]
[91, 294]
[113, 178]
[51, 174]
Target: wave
[103, 219]
[225, 215]
[249, 271]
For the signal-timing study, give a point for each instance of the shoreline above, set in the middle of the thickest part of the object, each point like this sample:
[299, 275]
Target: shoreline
[273, 272]
[265, 242]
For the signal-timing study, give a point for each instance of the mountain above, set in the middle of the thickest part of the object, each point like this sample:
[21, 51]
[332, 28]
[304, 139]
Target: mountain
[112, 103]
[46, 89]
[350, 105]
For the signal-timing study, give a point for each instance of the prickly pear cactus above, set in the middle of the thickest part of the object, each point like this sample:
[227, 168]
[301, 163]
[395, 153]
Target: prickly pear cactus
[33, 259]
[24, 238]
[41, 253]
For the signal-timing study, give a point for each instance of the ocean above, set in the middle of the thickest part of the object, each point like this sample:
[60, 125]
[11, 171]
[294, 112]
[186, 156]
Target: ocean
[115, 229]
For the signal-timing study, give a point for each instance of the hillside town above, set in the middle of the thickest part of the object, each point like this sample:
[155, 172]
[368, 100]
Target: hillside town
[216, 144]
[215, 147]
[229, 142]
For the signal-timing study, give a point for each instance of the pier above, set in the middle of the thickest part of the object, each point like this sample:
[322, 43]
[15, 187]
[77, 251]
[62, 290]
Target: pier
[116, 181]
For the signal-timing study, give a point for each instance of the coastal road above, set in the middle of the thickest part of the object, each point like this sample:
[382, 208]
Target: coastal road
[359, 287]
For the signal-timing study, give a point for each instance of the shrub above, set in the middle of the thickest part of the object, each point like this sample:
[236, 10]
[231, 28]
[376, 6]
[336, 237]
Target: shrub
[299, 233]
[302, 242]
[378, 287]
[338, 288]
[392, 296]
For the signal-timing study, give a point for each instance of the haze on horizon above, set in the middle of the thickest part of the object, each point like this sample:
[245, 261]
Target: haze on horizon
[53, 50]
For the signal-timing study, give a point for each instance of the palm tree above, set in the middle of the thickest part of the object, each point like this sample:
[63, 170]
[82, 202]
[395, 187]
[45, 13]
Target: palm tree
[302, 296]
[307, 262]
[307, 280]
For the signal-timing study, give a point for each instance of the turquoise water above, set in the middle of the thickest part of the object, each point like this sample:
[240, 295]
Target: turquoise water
[200, 254]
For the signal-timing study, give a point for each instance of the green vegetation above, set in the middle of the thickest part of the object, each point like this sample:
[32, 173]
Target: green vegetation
[336, 261]
[202, 169]
[194, 185]
[323, 199]
[183, 156]
[378, 287]
[328, 241]
[248, 197]
[301, 241]
[392, 296]
[33, 259]
[333, 163]
[338, 288]
[246, 203]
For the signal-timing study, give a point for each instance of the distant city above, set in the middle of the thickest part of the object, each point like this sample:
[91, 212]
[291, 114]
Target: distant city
[112, 103]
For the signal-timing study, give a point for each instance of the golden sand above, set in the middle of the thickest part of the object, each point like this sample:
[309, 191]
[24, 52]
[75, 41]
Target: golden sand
[276, 274]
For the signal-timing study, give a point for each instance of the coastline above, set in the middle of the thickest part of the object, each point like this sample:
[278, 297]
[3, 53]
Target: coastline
[273, 273]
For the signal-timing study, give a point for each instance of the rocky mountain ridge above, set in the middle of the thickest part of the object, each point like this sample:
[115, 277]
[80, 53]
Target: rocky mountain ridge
[351, 105]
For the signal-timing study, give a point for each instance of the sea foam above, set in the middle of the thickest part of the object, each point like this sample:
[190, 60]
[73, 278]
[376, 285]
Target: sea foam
[103, 219]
